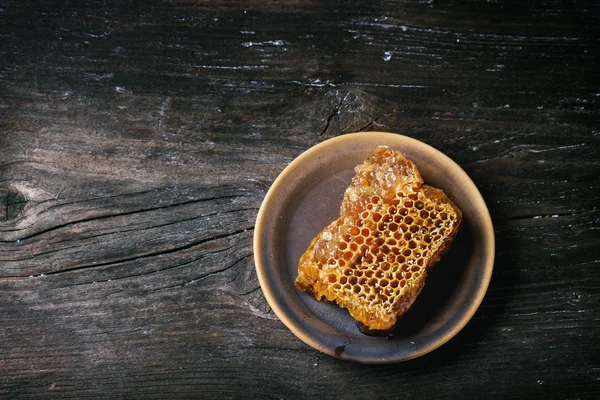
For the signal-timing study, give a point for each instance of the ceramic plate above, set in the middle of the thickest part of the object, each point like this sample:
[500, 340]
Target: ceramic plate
[307, 196]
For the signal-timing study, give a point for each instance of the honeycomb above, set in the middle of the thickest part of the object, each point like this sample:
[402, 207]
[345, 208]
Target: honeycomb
[373, 259]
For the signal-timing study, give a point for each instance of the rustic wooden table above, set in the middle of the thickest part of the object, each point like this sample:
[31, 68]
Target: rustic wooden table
[138, 139]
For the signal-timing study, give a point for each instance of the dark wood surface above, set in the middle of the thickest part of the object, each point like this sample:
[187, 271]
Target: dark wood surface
[138, 139]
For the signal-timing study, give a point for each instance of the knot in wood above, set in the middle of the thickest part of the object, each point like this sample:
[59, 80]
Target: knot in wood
[12, 204]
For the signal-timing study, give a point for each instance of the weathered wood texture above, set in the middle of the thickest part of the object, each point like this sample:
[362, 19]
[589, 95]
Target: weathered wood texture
[138, 139]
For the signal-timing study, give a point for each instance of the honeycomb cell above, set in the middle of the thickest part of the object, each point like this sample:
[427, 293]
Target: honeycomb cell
[391, 228]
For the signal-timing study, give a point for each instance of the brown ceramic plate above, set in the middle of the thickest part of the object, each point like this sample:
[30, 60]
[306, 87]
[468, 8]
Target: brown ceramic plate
[307, 196]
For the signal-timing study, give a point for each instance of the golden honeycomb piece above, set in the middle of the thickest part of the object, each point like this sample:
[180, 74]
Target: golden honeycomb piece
[373, 259]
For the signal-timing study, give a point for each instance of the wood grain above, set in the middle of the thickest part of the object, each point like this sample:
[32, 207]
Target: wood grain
[138, 139]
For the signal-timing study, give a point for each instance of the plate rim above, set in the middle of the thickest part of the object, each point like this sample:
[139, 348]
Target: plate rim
[294, 326]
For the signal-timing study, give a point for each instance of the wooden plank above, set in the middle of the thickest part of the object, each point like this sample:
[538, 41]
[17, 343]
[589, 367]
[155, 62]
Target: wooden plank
[137, 141]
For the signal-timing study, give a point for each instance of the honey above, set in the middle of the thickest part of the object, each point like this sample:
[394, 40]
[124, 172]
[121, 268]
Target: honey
[373, 259]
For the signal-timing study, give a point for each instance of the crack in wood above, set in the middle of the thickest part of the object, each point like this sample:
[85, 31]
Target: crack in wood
[74, 246]
[336, 111]
[374, 121]
[204, 255]
[250, 291]
[115, 196]
[96, 218]
[155, 226]
[142, 256]
[152, 208]
[205, 276]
